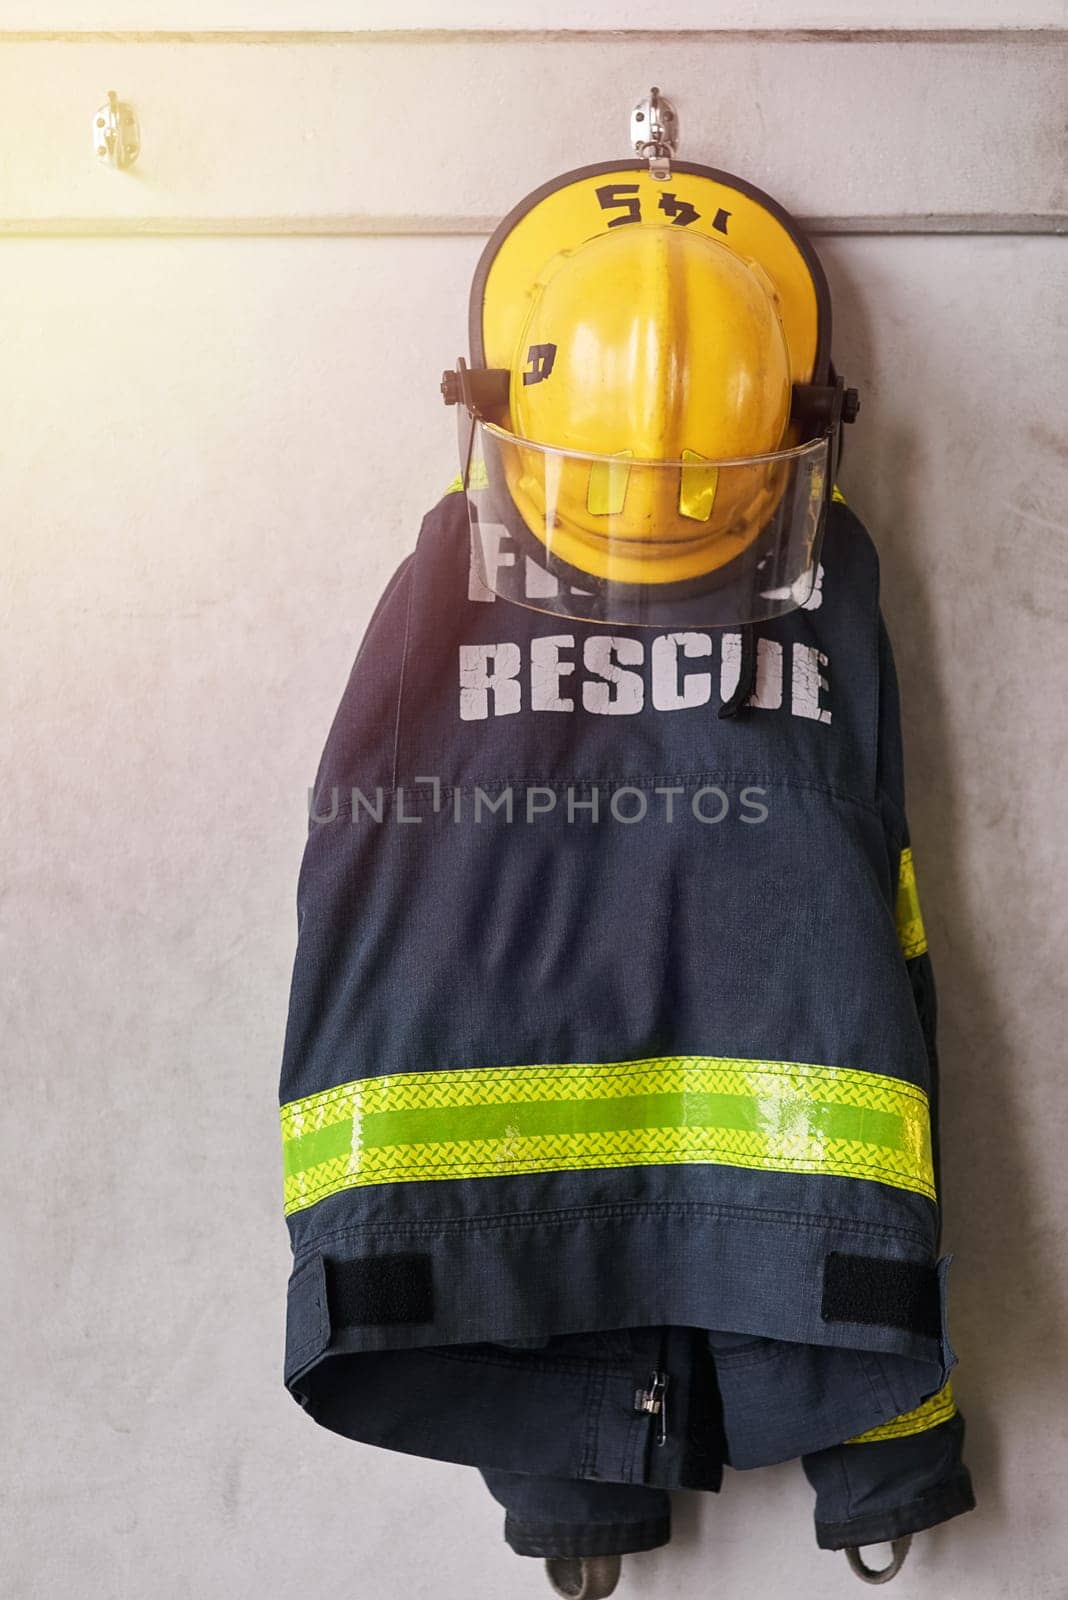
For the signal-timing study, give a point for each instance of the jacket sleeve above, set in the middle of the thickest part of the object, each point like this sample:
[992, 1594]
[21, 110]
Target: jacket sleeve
[908, 1473]
[911, 935]
[372, 682]
[357, 759]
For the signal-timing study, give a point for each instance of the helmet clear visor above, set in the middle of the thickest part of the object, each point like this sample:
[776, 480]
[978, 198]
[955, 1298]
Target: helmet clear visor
[643, 543]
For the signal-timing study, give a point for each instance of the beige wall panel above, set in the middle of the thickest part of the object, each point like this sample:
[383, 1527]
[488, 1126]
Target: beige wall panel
[517, 15]
[384, 137]
[215, 453]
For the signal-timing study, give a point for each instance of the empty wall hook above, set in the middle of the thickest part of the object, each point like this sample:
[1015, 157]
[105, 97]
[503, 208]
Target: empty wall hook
[116, 135]
[654, 132]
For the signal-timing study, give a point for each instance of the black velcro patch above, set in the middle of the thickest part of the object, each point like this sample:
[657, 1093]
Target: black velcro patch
[396, 1288]
[899, 1294]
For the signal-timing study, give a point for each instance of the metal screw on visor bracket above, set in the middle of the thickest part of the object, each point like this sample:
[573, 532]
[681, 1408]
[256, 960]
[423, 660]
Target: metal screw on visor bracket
[654, 133]
[900, 1548]
[583, 1577]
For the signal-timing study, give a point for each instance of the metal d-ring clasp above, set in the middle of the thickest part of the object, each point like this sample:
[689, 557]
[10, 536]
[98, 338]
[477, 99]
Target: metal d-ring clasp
[900, 1548]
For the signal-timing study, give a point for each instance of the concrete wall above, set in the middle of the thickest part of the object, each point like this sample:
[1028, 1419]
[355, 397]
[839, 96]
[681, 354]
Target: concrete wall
[222, 424]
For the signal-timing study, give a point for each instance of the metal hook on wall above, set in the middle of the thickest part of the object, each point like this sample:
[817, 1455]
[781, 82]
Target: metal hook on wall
[116, 135]
[654, 132]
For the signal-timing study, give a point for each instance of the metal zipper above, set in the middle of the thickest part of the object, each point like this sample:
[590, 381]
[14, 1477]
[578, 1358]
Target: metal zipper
[653, 1398]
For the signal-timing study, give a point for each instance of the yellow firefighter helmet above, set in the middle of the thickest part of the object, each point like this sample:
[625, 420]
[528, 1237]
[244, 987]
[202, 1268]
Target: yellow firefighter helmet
[650, 411]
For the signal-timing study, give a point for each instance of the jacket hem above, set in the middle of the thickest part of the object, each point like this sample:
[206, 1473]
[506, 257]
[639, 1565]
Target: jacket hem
[590, 1268]
[949, 1499]
[580, 1539]
[368, 1317]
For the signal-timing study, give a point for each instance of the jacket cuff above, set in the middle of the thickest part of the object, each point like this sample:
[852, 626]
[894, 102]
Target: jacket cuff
[585, 1538]
[871, 1491]
[937, 1505]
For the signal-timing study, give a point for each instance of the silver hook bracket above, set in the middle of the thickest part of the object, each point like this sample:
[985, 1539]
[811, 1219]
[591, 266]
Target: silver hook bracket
[654, 133]
[116, 135]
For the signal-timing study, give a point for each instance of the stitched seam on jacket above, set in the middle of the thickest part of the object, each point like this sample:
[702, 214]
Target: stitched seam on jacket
[566, 1073]
[403, 670]
[536, 1362]
[871, 1170]
[508, 1222]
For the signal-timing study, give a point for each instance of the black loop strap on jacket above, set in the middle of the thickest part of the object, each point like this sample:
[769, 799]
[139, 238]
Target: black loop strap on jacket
[371, 1289]
[746, 674]
[898, 1294]
[870, 1289]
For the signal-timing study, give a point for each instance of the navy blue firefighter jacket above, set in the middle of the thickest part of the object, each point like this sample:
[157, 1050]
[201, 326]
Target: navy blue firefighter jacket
[610, 1058]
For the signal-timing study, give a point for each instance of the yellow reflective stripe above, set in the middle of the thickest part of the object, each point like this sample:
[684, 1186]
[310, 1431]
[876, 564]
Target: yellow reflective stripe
[910, 930]
[697, 492]
[780, 1116]
[479, 478]
[606, 491]
[939, 1408]
[836, 494]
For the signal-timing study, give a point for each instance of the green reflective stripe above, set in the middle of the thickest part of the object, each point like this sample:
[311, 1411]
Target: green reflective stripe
[938, 1408]
[774, 1115]
[910, 930]
[680, 1110]
[312, 1149]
